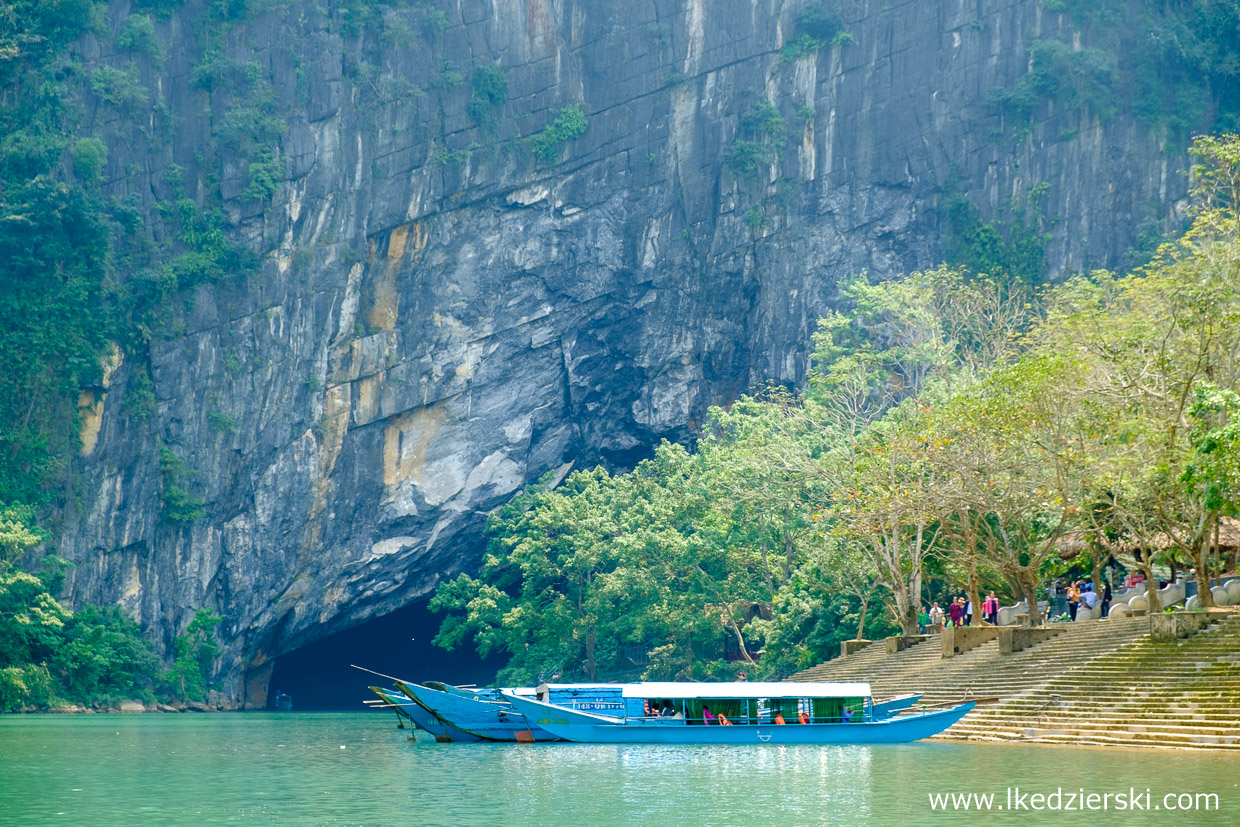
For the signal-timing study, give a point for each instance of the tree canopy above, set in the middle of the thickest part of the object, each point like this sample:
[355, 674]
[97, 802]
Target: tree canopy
[955, 427]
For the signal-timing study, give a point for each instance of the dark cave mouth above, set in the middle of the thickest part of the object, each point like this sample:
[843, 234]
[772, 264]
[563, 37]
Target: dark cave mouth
[320, 675]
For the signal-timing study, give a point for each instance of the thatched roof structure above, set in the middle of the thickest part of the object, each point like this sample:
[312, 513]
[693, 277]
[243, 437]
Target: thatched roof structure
[1077, 541]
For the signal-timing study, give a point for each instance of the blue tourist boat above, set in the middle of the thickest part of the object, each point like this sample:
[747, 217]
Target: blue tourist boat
[735, 713]
[481, 715]
[474, 714]
[412, 712]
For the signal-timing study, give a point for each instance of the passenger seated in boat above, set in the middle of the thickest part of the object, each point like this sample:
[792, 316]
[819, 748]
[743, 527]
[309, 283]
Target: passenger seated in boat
[779, 719]
[708, 717]
[848, 716]
[723, 720]
[803, 718]
[668, 711]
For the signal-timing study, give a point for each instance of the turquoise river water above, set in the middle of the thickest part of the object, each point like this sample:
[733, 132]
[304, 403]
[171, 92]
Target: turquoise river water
[358, 768]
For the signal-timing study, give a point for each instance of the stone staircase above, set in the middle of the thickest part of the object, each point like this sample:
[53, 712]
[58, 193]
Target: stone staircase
[1101, 682]
[1184, 693]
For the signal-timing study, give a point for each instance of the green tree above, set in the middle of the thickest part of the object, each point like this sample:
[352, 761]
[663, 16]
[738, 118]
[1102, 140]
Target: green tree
[189, 677]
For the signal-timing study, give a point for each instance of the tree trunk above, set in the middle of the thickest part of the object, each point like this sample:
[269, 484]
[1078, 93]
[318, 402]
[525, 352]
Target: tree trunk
[973, 591]
[590, 668]
[1099, 560]
[1029, 590]
[1205, 597]
[865, 604]
[1201, 556]
[905, 608]
[1151, 585]
[736, 629]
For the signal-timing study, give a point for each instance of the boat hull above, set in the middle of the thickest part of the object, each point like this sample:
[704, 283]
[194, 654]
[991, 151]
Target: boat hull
[467, 719]
[412, 711]
[596, 729]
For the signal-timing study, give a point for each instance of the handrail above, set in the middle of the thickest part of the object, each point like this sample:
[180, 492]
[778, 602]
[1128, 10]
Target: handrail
[1041, 711]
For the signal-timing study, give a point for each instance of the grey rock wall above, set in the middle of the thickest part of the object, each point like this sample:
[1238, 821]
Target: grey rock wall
[440, 318]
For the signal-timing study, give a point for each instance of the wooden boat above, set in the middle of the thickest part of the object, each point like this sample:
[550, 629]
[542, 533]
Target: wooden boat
[836, 714]
[412, 712]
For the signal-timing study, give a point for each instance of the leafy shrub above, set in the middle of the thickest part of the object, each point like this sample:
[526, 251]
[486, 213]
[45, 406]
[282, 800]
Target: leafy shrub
[748, 157]
[189, 676]
[761, 134]
[138, 35]
[104, 658]
[819, 23]
[118, 87]
[449, 77]
[569, 125]
[1015, 248]
[814, 28]
[179, 505]
[490, 91]
[14, 693]
[265, 173]
[1069, 78]
[89, 157]
[222, 422]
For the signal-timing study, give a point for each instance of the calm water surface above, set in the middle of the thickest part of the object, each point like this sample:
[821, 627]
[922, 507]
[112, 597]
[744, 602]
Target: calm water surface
[338, 768]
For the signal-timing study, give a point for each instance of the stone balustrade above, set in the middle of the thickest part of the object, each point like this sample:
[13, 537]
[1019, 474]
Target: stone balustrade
[848, 647]
[960, 639]
[898, 643]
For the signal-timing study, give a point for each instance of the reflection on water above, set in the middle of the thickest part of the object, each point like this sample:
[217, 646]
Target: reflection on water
[358, 769]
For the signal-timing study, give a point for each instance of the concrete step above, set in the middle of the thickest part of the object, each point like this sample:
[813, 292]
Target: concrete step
[1113, 686]
[1116, 724]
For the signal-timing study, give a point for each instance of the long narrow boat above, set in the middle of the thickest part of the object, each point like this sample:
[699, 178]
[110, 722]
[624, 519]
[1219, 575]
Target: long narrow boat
[835, 714]
[410, 710]
[474, 715]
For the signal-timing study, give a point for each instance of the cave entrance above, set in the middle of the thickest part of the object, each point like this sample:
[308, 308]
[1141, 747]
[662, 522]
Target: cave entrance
[319, 675]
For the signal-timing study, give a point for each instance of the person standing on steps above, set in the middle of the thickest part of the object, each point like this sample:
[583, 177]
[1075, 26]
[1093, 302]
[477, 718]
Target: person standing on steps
[1106, 598]
[1074, 599]
[923, 620]
[1089, 598]
[936, 618]
[955, 612]
[968, 612]
[990, 609]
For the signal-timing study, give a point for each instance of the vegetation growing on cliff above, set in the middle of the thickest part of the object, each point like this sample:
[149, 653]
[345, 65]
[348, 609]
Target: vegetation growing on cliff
[569, 125]
[952, 424]
[1171, 63]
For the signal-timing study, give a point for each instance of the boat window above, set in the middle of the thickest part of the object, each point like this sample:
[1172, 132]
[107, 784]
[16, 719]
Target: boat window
[827, 710]
[831, 710]
[734, 709]
[788, 707]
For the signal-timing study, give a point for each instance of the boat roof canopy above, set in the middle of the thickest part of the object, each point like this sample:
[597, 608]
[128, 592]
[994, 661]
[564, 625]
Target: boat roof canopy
[746, 689]
[580, 686]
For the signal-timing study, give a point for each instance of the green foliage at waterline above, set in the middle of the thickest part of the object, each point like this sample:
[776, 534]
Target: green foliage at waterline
[95, 657]
[955, 426]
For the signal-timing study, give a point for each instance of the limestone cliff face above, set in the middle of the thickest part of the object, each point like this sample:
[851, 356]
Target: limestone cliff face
[440, 317]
